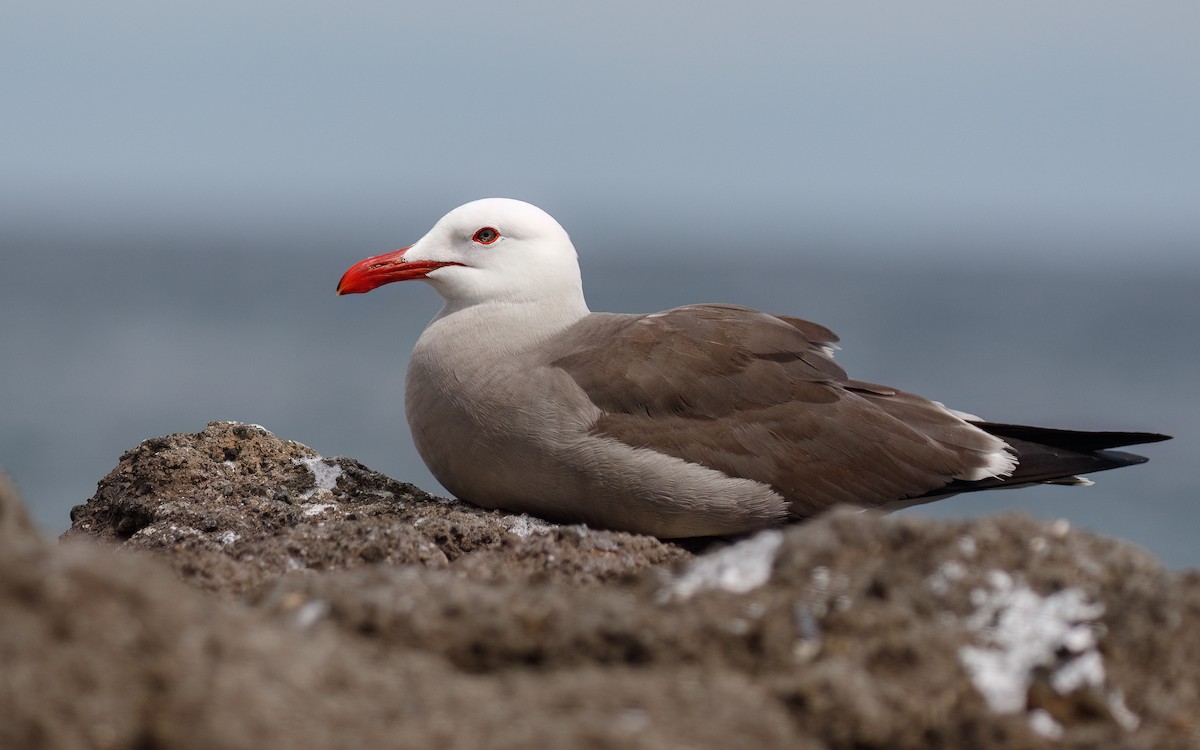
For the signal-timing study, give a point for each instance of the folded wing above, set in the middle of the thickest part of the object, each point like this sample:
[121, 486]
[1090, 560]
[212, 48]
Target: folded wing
[759, 396]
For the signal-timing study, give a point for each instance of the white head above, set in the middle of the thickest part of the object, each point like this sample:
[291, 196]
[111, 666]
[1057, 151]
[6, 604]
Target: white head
[490, 250]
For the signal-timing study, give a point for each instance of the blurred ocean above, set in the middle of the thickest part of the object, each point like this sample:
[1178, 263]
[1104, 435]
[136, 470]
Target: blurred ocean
[112, 338]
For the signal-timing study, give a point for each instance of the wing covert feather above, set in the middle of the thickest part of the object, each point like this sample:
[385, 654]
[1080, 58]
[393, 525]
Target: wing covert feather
[759, 396]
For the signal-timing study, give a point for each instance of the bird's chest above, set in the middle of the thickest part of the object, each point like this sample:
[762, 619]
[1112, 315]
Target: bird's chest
[460, 399]
[482, 421]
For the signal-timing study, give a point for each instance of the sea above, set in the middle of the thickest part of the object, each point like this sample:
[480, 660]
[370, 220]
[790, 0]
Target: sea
[111, 338]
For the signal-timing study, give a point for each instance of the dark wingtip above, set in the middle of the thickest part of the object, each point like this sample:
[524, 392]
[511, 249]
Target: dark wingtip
[1154, 437]
[1117, 459]
[1079, 440]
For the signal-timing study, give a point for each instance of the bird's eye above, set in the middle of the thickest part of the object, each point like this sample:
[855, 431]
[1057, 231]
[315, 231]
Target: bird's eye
[486, 236]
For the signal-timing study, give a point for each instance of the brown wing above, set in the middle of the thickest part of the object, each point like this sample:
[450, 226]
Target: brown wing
[759, 396]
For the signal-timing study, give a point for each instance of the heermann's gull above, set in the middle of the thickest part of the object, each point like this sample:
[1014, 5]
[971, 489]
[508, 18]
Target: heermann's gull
[701, 420]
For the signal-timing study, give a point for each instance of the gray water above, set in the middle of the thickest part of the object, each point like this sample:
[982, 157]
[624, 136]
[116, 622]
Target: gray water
[110, 339]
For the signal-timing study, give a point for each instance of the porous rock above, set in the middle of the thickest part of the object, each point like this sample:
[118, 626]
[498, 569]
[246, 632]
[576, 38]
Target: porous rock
[237, 615]
[233, 506]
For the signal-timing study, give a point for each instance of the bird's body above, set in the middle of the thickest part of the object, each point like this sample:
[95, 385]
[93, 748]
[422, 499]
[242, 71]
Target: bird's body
[506, 426]
[701, 420]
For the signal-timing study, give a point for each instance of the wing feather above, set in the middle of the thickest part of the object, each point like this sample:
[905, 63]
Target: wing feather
[759, 396]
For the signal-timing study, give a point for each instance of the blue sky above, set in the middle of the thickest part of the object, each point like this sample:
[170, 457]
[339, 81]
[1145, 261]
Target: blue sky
[1072, 123]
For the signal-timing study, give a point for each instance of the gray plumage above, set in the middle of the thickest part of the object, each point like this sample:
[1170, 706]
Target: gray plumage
[701, 420]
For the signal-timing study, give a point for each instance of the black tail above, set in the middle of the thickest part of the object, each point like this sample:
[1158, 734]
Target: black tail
[1050, 456]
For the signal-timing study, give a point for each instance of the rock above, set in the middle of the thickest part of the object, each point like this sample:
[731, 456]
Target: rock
[234, 506]
[107, 649]
[263, 596]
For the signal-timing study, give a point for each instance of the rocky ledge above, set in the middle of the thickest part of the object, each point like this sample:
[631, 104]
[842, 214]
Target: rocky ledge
[231, 589]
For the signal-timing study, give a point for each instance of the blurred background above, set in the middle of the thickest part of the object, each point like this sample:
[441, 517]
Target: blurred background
[995, 205]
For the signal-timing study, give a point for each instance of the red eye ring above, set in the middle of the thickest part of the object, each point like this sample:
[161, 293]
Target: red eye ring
[486, 235]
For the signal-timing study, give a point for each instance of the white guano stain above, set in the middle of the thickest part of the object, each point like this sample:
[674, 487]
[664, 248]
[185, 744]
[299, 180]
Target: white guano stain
[1020, 632]
[523, 526]
[325, 476]
[739, 568]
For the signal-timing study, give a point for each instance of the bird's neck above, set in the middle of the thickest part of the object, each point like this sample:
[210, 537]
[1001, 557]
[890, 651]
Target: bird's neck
[500, 327]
